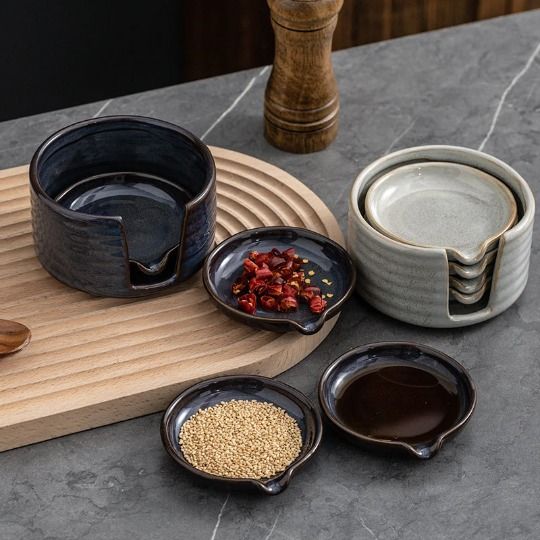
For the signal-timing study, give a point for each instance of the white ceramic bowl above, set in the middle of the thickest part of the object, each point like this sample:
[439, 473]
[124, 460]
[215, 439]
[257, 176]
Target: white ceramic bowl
[411, 283]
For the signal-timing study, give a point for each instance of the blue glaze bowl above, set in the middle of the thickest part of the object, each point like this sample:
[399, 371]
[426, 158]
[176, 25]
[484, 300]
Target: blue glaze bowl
[326, 258]
[243, 387]
[123, 206]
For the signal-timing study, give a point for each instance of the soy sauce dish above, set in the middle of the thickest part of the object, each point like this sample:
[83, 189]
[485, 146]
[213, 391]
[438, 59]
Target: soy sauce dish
[224, 389]
[326, 264]
[397, 396]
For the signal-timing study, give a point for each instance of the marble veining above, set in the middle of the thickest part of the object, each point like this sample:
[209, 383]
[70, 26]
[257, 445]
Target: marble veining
[234, 104]
[117, 483]
[507, 90]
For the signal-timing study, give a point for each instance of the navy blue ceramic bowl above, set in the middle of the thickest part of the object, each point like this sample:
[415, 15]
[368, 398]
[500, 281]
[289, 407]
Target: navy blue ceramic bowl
[327, 259]
[243, 387]
[123, 205]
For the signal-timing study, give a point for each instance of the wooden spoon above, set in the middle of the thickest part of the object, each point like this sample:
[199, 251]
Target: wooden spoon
[14, 336]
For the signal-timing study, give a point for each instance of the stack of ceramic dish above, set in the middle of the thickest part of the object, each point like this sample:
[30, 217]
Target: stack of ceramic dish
[451, 206]
[440, 235]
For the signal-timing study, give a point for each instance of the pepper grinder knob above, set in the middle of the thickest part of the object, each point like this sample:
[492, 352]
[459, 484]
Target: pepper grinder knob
[301, 102]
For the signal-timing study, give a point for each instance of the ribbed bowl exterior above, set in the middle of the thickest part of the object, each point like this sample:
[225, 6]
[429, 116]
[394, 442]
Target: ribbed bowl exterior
[410, 283]
[90, 253]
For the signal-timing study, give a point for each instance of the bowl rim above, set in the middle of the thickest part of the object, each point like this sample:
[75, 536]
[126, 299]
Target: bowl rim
[333, 310]
[373, 195]
[435, 445]
[36, 186]
[270, 486]
[409, 155]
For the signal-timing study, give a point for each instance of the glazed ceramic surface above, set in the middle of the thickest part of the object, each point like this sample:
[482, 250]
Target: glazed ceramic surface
[470, 286]
[123, 205]
[469, 298]
[442, 205]
[326, 258]
[357, 362]
[214, 391]
[474, 270]
[411, 283]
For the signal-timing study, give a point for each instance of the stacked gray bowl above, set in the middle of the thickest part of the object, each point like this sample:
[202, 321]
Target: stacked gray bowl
[412, 280]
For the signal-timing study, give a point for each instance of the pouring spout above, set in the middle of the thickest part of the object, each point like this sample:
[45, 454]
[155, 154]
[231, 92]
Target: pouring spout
[274, 486]
[424, 450]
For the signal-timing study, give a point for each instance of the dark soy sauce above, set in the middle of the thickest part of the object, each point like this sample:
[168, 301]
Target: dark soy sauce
[399, 402]
[152, 209]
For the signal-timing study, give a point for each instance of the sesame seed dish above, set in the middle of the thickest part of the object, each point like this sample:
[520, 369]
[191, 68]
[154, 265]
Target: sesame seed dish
[241, 439]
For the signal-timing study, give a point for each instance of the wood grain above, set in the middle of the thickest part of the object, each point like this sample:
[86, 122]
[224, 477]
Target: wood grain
[301, 102]
[93, 361]
[244, 26]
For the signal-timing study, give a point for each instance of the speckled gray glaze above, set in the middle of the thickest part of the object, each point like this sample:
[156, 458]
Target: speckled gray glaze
[443, 205]
[445, 87]
[411, 283]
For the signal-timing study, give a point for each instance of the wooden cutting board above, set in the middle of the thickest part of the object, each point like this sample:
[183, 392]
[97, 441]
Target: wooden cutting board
[93, 361]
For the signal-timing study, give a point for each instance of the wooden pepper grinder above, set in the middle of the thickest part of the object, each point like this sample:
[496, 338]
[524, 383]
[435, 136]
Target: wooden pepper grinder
[301, 101]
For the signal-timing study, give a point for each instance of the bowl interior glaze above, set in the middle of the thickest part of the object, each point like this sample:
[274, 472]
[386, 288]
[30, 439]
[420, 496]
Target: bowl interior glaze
[354, 363]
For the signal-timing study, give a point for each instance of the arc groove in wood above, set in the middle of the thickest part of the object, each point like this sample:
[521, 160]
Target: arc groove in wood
[56, 380]
[284, 216]
[115, 358]
[288, 193]
[161, 362]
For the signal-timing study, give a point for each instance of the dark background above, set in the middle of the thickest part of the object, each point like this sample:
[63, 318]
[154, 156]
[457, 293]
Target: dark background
[58, 53]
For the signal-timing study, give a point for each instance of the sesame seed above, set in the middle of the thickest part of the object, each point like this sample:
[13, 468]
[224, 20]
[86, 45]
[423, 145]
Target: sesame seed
[241, 439]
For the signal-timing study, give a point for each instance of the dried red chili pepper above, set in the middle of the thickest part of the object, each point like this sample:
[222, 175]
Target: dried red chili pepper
[290, 253]
[269, 303]
[248, 303]
[276, 280]
[286, 269]
[262, 258]
[249, 266]
[317, 304]
[288, 290]
[264, 273]
[307, 293]
[239, 286]
[274, 289]
[276, 263]
[288, 303]
[257, 286]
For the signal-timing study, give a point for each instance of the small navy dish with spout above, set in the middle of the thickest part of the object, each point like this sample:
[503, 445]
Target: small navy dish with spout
[333, 271]
[243, 387]
[397, 396]
[123, 206]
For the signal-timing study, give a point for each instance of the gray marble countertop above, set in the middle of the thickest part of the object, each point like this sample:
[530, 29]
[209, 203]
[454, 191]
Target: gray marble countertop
[476, 86]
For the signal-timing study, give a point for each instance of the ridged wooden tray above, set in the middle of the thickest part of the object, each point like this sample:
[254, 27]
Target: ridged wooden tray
[93, 361]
